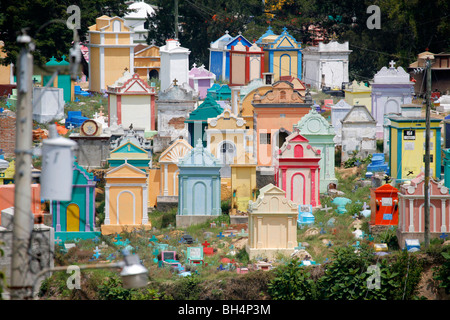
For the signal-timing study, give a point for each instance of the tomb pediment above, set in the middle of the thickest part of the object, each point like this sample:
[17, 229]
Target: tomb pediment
[125, 171]
[175, 152]
[199, 156]
[358, 114]
[282, 92]
[129, 147]
[272, 200]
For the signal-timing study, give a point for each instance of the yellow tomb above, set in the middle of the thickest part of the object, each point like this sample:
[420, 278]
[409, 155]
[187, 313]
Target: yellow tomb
[125, 200]
[231, 142]
[111, 51]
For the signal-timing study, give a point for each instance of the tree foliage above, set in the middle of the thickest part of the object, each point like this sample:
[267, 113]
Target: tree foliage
[45, 22]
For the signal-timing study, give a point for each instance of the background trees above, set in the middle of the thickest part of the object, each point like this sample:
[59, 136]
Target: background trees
[408, 27]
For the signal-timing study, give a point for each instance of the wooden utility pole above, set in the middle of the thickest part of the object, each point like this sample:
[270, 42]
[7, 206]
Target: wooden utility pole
[21, 276]
[427, 157]
[176, 19]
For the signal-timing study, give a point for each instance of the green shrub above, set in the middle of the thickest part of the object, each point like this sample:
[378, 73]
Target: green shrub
[348, 277]
[111, 289]
[409, 269]
[292, 282]
[442, 273]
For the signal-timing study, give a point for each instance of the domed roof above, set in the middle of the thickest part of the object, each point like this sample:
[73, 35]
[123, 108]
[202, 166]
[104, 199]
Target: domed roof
[140, 9]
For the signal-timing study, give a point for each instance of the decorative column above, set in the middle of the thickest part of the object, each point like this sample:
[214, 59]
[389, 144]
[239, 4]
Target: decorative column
[259, 243]
[166, 187]
[313, 187]
[58, 216]
[144, 204]
[411, 215]
[107, 221]
[214, 195]
[184, 206]
[87, 226]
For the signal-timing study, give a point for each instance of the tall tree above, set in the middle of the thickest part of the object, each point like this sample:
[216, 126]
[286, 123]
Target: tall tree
[201, 21]
[44, 21]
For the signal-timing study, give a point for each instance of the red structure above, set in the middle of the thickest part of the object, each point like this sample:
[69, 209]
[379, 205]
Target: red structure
[252, 58]
[298, 170]
[384, 205]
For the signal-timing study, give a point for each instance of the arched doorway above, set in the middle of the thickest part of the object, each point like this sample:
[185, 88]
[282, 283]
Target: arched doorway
[227, 152]
[126, 208]
[199, 197]
[153, 74]
[73, 217]
[298, 188]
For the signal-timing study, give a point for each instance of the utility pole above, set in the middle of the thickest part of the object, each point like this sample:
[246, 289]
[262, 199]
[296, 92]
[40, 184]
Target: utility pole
[176, 19]
[427, 157]
[21, 276]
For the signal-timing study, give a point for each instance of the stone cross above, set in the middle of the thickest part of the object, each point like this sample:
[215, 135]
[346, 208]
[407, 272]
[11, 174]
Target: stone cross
[392, 64]
[111, 257]
[194, 65]
[326, 208]
[365, 206]
[58, 240]
[205, 244]
[114, 119]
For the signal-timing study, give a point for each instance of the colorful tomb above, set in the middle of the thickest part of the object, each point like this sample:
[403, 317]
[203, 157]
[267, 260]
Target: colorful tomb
[411, 223]
[320, 134]
[199, 187]
[282, 54]
[125, 200]
[232, 143]
[272, 224]
[298, 170]
[132, 101]
[111, 51]
[275, 113]
[384, 205]
[407, 147]
[76, 218]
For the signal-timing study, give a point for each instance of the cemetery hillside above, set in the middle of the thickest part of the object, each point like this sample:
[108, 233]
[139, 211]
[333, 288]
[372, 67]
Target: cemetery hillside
[209, 150]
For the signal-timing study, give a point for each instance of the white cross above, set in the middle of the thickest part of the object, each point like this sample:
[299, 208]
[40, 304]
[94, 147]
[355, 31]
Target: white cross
[194, 65]
[97, 250]
[114, 119]
[96, 115]
[326, 208]
[392, 64]
[365, 206]
[70, 126]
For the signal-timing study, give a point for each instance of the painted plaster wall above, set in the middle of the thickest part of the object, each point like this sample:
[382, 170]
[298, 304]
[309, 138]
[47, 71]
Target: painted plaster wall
[116, 60]
[94, 69]
[243, 186]
[125, 205]
[136, 111]
[270, 120]
[154, 185]
[285, 63]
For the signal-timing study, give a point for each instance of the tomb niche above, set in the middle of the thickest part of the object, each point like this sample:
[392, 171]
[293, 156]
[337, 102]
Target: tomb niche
[199, 187]
[272, 224]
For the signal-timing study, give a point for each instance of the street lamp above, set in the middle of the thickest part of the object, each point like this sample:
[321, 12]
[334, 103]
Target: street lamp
[134, 274]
